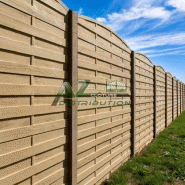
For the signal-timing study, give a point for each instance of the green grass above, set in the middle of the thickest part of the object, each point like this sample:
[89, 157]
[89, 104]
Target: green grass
[163, 162]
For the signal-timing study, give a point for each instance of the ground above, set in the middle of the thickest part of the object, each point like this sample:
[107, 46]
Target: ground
[162, 163]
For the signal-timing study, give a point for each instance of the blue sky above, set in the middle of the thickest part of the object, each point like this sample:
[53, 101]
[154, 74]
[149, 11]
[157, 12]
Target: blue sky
[153, 27]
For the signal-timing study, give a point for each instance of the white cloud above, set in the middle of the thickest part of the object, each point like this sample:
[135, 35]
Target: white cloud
[178, 4]
[80, 11]
[100, 19]
[132, 26]
[140, 12]
[148, 41]
[152, 51]
[144, 2]
[162, 52]
[167, 53]
[117, 20]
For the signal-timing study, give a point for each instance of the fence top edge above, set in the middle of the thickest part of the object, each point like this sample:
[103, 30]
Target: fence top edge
[145, 57]
[106, 27]
[174, 77]
[169, 74]
[60, 2]
[161, 68]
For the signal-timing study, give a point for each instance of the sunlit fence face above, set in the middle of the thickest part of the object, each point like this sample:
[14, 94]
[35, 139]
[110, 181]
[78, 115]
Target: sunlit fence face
[84, 136]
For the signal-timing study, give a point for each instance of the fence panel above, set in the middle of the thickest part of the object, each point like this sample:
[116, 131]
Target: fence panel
[42, 45]
[103, 130]
[160, 115]
[179, 88]
[181, 98]
[169, 99]
[32, 60]
[174, 98]
[144, 101]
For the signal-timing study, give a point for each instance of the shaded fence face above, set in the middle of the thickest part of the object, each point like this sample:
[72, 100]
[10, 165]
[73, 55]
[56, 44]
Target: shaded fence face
[32, 60]
[37, 54]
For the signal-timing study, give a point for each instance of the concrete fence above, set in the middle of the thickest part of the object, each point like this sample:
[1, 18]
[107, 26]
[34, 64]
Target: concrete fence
[43, 45]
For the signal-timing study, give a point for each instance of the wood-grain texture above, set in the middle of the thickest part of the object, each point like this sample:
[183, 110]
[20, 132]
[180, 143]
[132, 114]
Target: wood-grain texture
[41, 47]
[32, 69]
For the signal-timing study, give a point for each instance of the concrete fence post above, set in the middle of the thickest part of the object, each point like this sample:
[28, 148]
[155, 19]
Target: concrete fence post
[72, 70]
[133, 104]
[177, 98]
[166, 100]
[155, 102]
[173, 99]
[183, 107]
[180, 97]
[183, 97]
